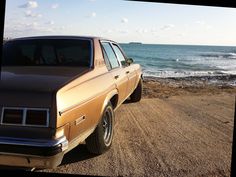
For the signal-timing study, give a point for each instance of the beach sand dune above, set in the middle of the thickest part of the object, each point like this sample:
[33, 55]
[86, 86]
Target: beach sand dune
[173, 131]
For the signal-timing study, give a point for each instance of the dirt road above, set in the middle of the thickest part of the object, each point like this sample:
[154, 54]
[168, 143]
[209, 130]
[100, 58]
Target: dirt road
[176, 136]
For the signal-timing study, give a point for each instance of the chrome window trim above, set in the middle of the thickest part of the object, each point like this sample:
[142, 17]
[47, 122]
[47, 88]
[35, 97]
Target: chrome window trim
[104, 54]
[24, 116]
[110, 43]
[116, 44]
[92, 53]
[23, 123]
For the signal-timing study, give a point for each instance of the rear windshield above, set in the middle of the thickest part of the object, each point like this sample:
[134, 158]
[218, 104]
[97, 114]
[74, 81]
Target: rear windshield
[45, 52]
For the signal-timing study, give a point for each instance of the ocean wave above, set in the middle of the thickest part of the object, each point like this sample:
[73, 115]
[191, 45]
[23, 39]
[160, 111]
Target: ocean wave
[176, 74]
[219, 55]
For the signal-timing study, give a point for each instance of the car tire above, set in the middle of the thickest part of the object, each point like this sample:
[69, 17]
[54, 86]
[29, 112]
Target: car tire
[137, 94]
[101, 139]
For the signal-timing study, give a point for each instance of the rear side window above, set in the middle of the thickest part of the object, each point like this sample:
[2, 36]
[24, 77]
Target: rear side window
[119, 54]
[110, 54]
[48, 52]
[108, 64]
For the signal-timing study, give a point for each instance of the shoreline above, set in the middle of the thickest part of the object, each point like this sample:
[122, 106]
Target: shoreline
[157, 87]
[225, 77]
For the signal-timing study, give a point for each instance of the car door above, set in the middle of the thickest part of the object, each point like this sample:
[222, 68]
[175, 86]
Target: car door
[115, 69]
[129, 69]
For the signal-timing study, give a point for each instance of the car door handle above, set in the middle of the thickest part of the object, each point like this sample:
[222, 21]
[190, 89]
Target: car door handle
[127, 72]
[116, 77]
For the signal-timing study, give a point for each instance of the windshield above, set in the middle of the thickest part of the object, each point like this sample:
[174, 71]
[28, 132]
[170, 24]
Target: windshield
[47, 52]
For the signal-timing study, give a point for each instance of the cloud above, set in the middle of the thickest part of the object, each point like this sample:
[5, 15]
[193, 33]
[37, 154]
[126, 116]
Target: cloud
[28, 25]
[29, 5]
[124, 20]
[153, 30]
[108, 31]
[208, 27]
[20, 28]
[92, 15]
[50, 22]
[28, 13]
[200, 22]
[123, 31]
[34, 24]
[181, 34]
[141, 30]
[204, 25]
[54, 6]
[167, 27]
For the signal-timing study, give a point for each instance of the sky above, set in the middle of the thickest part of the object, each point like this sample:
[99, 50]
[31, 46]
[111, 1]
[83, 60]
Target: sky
[122, 21]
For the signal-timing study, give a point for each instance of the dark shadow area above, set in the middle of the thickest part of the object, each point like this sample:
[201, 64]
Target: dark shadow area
[9, 168]
[79, 153]
[128, 101]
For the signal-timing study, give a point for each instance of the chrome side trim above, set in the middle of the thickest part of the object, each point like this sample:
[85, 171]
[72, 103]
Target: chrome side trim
[92, 59]
[33, 142]
[85, 101]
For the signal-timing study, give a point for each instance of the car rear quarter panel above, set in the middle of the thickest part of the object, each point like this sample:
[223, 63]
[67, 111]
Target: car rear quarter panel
[81, 102]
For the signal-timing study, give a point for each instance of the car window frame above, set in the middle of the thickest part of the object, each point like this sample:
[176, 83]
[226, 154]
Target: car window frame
[122, 52]
[103, 50]
[105, 55]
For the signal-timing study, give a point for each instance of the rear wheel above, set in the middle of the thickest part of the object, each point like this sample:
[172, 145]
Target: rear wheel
[101, 139]
[137, 94]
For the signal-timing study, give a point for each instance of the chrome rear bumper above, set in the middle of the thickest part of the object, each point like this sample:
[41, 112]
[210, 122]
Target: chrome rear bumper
[32, 152]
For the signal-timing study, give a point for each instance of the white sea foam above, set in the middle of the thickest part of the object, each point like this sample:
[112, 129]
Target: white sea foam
[166, 74]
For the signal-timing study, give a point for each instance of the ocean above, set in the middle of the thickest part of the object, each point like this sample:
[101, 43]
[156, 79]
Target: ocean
[182, 60]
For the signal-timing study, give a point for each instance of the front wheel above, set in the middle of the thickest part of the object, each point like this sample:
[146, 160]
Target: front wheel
[101, 139]
[137, 94]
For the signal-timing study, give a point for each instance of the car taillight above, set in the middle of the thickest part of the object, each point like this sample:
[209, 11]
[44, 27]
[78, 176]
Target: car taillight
[25, 116]
[36, 117]
[11, 116]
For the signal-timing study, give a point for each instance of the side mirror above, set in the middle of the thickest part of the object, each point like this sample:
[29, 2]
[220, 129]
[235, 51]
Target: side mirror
[129, 61]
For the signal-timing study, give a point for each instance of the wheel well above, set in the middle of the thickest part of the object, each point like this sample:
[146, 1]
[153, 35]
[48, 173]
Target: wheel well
[114, 101]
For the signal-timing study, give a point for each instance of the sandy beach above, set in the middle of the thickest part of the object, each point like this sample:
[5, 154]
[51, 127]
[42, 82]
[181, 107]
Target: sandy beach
[181, 127]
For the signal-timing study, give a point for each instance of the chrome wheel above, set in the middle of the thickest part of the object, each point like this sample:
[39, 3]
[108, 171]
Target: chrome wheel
[107, 126]
[101, 139]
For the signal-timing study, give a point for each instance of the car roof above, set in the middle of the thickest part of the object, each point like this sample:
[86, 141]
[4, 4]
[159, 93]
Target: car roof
[61, 37]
